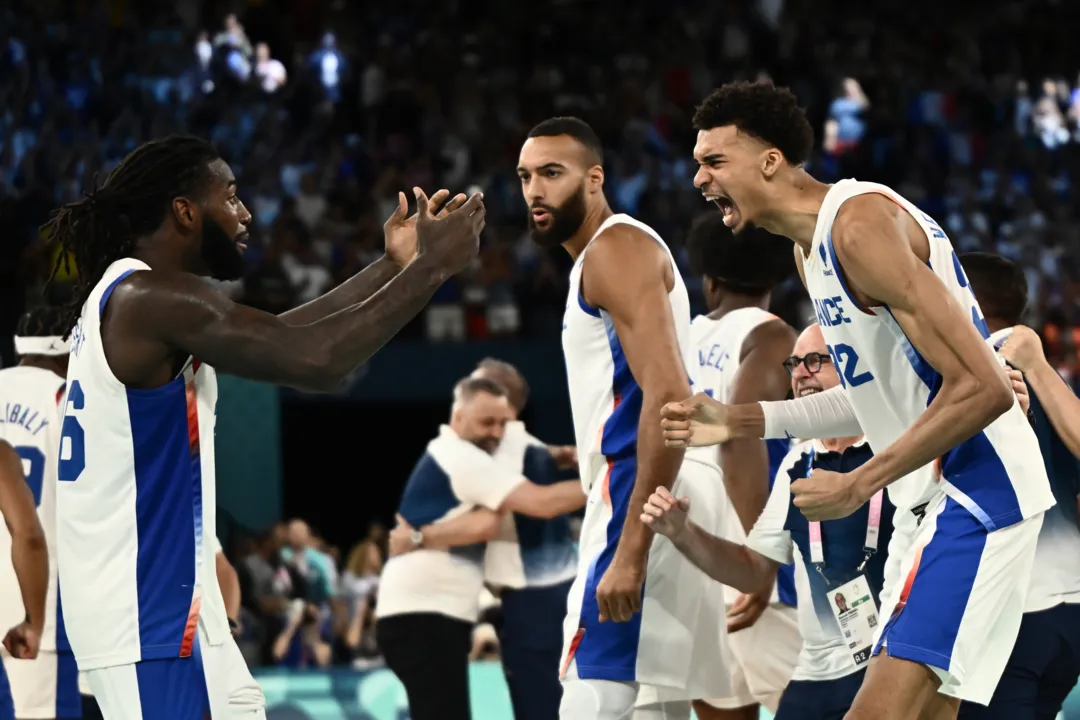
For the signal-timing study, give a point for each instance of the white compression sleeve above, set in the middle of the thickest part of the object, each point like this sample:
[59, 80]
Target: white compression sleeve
[825, 414]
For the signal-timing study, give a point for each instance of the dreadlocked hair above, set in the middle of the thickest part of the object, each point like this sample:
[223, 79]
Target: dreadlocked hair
[104, 225]
[42, 321]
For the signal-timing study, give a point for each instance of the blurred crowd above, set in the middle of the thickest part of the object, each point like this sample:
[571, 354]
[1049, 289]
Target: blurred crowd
[303, 605]
[327, 109]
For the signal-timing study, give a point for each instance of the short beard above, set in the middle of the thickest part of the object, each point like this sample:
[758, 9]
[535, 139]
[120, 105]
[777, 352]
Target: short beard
[566, 220]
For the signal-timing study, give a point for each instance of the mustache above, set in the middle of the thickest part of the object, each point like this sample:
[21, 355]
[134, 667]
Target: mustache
[541, 206]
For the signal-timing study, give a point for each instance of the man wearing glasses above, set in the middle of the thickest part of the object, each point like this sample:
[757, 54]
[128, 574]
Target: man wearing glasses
[833, 558]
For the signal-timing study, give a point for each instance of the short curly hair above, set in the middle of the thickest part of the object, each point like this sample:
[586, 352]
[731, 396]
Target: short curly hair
[749, 263]
[762, 110]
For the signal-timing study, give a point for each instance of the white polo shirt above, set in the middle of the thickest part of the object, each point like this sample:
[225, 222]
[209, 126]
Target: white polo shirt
[453, 476]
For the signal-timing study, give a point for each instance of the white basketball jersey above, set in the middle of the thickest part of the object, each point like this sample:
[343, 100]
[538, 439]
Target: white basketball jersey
[605, 398]
[998, 474]
[135, 503]
[719, 347]
[30, 422]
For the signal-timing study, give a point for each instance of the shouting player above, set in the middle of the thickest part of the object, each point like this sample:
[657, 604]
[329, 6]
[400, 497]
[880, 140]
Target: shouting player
[741, 351]
[45, 686]
[908, 339]
[639, 614]
[135, 503]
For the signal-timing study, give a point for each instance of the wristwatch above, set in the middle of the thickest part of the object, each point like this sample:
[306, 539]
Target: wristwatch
[417, 538]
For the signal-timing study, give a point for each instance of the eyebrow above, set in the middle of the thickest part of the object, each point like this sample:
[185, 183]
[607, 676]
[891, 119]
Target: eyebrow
[711, 158]
[545, 166]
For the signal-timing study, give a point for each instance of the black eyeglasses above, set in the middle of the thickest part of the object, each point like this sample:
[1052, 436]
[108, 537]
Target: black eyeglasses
[811, 361]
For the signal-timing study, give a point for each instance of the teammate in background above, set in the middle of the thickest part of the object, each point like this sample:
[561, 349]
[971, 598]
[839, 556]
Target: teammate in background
[626, 338]
[908, 339]
[136, 498]
[1045, 662]
[428, 598]
[741, 350]
[30, 395]
[530, 561]
[829, 558]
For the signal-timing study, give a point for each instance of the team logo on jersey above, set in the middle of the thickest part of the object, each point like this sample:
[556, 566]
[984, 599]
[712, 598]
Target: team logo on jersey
[825, 257]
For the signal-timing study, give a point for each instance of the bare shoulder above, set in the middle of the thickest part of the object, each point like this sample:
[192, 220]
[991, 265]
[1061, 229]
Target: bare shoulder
[874, 226]
[774, 334]
[625, 251]
[863, 217]
[155, 296]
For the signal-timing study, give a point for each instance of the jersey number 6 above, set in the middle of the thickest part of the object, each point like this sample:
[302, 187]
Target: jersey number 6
[72, 438]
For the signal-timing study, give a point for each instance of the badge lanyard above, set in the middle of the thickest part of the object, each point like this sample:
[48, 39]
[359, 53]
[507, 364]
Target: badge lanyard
[873, 529]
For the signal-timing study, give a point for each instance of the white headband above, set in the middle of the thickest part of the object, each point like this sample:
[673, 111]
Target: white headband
[49, 345]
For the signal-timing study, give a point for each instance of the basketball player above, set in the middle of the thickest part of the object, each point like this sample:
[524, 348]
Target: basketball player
[1045, 662]
[639, 614]
[830, 560]
[135, 504]
[908, 340]
[741, 350]
[30, 393]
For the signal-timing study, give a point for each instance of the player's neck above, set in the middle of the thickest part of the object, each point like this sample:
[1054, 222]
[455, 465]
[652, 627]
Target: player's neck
[733, 301]
[797, 209]
[42, 362]
[840, 444]
[159, 251]
[996, 325]
[594, 218]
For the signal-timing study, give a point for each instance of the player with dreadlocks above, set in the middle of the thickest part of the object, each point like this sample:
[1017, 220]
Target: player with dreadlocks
[42, 674]
[136, 508]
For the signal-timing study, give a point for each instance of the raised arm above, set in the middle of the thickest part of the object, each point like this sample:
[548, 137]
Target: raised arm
[184, 312]
[29, 554]
[724, 561]
[884, 254]
[399, 233]
[628, 275]
[761, 377]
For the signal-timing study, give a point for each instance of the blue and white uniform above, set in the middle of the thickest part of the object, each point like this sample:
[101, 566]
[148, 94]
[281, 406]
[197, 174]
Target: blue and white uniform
[534, 562]
[677, 642]
[46, 687]
[1045, 661]
[763, 656]
[826, 677]
[135, 519]
[955, 596]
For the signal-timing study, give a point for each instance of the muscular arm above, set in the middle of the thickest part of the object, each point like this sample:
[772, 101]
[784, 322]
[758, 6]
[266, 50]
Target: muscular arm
[29, 553]
[628, 275]
[353, 291]
[1061, 405]
[876, 242]
[545, 501]
[761, 376]
[186, 313]
[229, 582]
[726, 562]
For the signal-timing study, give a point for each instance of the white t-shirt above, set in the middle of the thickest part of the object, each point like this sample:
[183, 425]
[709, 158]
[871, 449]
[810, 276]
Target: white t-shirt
[454, 476]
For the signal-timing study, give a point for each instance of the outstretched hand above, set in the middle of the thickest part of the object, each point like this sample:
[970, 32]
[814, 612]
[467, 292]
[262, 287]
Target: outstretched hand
[694, 422]
[451, 238]
[399, 231]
